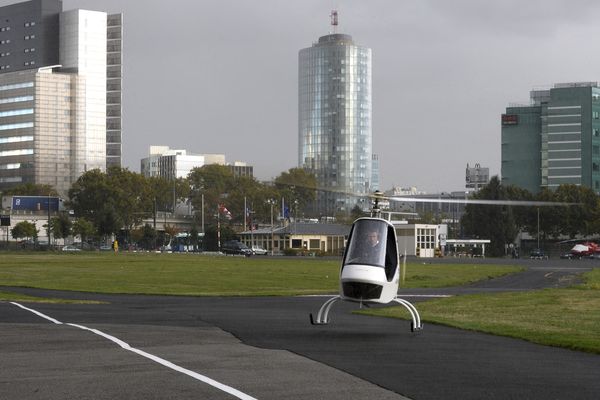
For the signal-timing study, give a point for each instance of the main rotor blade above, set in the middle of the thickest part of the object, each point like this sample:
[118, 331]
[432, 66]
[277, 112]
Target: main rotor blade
[525, 203]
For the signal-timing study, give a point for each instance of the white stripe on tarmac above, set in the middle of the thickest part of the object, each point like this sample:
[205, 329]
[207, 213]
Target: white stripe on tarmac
[403, 295]
[162, 361]
[39, 314]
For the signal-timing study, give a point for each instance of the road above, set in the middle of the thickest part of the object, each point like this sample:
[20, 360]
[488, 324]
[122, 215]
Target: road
[265, 348]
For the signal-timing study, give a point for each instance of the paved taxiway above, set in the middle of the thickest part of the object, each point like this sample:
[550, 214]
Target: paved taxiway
[266, 349]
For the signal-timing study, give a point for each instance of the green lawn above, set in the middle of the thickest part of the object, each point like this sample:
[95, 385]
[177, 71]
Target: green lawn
[557, 317]
[196, 275]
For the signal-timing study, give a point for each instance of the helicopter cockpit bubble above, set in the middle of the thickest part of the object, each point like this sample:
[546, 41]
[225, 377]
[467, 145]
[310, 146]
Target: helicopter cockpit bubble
[372, 242]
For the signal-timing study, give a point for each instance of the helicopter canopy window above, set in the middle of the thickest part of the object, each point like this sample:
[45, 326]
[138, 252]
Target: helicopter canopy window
[368, 243]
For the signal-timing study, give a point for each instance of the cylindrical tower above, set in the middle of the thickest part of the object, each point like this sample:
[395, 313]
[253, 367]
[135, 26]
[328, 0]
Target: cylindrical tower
[334, 118]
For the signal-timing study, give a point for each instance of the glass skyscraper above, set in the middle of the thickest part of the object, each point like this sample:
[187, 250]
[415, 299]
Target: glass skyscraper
[334, 119]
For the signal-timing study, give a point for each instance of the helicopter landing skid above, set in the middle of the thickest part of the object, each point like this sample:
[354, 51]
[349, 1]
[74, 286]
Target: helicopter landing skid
[415, 325]
[323, 315]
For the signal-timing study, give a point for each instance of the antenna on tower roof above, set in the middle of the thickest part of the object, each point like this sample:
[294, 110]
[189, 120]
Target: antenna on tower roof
[334, 20]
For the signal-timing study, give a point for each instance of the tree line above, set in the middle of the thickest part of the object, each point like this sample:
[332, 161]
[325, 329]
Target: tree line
[501, 224]
[105, 203]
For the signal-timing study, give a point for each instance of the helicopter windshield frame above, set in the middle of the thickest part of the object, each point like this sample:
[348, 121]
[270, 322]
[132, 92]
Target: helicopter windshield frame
[372, 242]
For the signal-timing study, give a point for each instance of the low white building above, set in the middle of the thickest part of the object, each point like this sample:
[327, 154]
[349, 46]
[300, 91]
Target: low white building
[420, 240]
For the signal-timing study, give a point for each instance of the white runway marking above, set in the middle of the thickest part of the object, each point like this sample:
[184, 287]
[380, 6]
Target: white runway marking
[402, 295]
[162, 361]
[39, 314]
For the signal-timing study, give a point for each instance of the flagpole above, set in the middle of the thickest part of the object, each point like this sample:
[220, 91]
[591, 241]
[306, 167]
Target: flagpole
[218, 228]
[251, 230]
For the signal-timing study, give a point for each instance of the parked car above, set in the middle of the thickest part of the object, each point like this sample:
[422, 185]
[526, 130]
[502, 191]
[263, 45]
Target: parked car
[538, 254]
[235, 247]
[70, 248]
[259, 251]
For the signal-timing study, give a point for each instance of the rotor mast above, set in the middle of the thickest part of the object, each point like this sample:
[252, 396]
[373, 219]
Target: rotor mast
[376, 211]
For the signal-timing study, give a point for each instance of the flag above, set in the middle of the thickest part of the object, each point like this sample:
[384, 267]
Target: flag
[286, 213]
[249, 217]
[223, 210]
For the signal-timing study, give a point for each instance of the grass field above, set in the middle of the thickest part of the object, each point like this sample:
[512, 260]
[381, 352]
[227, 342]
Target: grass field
[557, 317]
[194, 275]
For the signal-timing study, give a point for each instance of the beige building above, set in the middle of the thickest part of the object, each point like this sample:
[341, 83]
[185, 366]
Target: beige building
[38, 147]
[327, 238]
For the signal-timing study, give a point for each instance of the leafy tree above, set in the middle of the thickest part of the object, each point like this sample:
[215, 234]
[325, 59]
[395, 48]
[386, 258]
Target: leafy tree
[145, 237]
[83, 228]
[297, 184]
[210, 181]
[113, 200]
[24, 229]
[210, 237]
[579, 219]
[60, 226]
[494, 222]
[170, 232]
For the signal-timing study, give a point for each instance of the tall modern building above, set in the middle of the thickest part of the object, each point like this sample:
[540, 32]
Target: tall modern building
[334, 118]
[554, 140]
[54, 113]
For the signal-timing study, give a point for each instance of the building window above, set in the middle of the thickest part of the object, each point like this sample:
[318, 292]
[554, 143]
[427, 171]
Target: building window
[596, 132]
[16, 86]
[596, 150]
[595, 167]
[12, 113]
[596, 114]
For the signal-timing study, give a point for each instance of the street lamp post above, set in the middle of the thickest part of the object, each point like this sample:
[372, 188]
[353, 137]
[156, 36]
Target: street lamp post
[272, 202]
[538, 228]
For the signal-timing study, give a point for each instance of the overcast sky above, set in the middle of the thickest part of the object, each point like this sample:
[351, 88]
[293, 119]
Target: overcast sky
[220, 76]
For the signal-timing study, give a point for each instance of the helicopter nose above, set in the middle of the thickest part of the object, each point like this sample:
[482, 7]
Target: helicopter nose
[362, 290]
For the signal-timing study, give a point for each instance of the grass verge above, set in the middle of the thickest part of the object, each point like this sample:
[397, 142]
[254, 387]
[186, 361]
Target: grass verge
[566, 318]
[10, 296]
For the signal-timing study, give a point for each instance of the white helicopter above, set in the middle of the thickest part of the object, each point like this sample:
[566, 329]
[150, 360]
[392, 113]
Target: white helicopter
[370, 271]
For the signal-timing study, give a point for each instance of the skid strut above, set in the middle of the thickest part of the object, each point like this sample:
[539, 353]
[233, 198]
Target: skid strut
[323, 315]
[416, 318]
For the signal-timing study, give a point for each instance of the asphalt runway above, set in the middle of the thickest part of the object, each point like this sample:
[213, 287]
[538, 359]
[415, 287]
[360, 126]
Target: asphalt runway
[265, 348]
